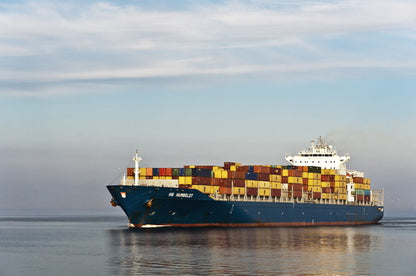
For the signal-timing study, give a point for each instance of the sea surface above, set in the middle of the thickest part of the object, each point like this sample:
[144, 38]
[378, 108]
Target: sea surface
[103, 245]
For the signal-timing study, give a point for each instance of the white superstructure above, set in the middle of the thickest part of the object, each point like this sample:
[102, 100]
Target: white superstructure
[320, 155]
[323, 155]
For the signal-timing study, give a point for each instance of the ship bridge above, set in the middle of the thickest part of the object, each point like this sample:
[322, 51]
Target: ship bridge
[319, 154]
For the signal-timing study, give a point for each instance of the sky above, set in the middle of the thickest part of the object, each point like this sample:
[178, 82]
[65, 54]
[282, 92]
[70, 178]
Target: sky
[83, 84]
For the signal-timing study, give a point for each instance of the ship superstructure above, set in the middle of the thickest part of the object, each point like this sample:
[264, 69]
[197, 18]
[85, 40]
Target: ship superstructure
[320, 155]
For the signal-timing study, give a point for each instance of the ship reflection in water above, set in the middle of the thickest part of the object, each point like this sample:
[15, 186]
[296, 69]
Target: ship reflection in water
[315, 250]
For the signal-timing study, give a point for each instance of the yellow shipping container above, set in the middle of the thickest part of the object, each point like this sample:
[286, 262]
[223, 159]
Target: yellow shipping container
[216, 168]
[251, 183]
[305, 175]
[341, 178]
[168, 177]
[143, 171]
[275, 178]
[285, 172]
[181, 180]
[215, 189]
[142, 177]
[218, 174]
[156, 177]
[224, 174]
[340, 190]
[314, 189]
[264, 192]
[325, 184]
[188, 180]
[339, 184]
[233, 168]
[314, 182]
[294, 180]
[341, 196]
[328, 172]
[366, 187]
[314, 175]
[264, 184]
[366, 181]
[276, 185]
[239, 191]
[203, 188]
[359, 186]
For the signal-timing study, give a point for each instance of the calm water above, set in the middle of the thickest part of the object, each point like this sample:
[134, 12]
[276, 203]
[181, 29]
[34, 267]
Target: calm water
[102, 245]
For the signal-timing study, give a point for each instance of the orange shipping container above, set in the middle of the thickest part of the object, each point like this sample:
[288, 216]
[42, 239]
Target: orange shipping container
[149, 171]
[225, 190]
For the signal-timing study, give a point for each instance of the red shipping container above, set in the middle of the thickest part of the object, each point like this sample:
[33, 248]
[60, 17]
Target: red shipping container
[325, 177]
[251, 191]
[182, 186]
[130, 171]
[284, 179]
[276, 192]
[367, 198]
[332, 178]
[277, 171]
[168, 171]
[360, 197]
[316, 195]
[358, 180]
[242, 169]
[227, 165]
[296, 194]
[149, 177]
[225, 190]
[217, 181]
[226, 183]
[326, 190]
[237, 175]
[295, 187]
[238, 182]
[296, 173]
[305, 187]
[162, 171]
[305, 181]
[263, 176]
[175, 177]
[266, 170]
[199, 180]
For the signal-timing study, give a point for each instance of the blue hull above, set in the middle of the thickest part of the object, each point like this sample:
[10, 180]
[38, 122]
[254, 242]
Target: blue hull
[158, 206]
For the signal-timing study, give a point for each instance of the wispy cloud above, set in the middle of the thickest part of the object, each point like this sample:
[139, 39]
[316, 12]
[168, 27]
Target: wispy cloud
[49, 42]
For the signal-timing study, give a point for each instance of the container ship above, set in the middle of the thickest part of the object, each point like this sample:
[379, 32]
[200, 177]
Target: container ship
[315, 189]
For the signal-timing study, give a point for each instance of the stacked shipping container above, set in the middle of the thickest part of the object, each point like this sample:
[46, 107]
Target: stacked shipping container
[267, 180]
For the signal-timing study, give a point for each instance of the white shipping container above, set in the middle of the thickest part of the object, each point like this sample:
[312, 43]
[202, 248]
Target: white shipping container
[170, 183]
